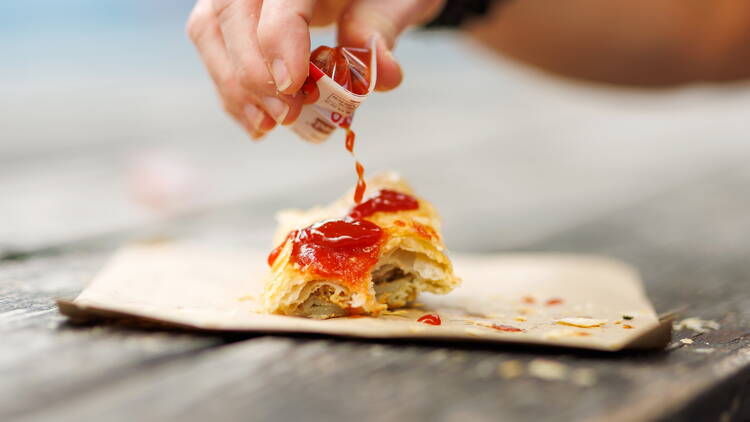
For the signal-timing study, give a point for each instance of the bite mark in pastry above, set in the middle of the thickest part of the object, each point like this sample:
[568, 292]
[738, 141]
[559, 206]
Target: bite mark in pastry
[353, 260]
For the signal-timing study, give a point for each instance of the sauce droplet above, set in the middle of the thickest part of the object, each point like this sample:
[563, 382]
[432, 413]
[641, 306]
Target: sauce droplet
[508, 328]
[554, 301]
[430, 319]
[424, 231]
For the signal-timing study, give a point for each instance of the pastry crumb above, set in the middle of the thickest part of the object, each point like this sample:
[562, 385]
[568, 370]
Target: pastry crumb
[696, 324]
[581, 322]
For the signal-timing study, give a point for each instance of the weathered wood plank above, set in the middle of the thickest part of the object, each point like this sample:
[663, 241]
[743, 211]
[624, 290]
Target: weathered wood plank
[43, 360]
[691, 248]
[687, 260]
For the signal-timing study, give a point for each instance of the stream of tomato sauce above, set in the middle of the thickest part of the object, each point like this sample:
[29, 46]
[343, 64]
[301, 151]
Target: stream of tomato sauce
[359, 190]
[350, 68]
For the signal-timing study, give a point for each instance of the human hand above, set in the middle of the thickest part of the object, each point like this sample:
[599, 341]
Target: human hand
[257, 51]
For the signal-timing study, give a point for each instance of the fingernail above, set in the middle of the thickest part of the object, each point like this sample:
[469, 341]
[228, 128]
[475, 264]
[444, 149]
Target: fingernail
[254, 116]
[276, 108]
[280, 75]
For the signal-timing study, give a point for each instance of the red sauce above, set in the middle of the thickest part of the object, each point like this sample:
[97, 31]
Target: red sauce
[277, 250]
[425, 231]
[359, 191]
[275, 254]
[350, 138]
[399, 223]
[431, 319]
[348, 66]
[528, 300]
[508, 328]
[342, 249]
[554, 301]
[385, 201]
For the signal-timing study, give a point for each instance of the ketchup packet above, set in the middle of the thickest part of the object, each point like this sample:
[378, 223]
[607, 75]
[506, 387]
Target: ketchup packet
[344, 77]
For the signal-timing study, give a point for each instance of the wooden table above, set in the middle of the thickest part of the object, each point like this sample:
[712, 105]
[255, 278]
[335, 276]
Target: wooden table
[513, 160]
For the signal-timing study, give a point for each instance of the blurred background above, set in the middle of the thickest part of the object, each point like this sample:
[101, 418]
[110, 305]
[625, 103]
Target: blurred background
[110, 124]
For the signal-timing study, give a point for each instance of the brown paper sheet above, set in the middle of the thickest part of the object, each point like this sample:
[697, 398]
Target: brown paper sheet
[201, 288]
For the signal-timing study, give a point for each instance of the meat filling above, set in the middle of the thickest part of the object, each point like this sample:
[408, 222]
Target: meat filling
[321, 304]
[392, 287]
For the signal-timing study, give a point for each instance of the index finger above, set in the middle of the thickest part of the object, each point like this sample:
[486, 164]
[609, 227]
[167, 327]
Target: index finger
[284, 39]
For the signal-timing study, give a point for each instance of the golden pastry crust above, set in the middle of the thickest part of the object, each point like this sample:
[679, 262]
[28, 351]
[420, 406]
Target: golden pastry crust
[411, 259]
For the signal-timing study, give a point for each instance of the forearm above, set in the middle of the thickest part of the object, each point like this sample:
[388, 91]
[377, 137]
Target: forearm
[638, 42]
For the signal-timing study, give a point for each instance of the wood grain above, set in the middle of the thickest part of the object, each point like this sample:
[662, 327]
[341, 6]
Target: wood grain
[43, 360]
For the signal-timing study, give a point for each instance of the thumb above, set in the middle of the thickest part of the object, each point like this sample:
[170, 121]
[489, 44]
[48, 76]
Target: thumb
[386, 20]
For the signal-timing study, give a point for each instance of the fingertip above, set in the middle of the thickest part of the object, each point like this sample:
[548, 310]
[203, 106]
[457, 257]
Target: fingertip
[390, 73]
[254, 133]
[295, 107]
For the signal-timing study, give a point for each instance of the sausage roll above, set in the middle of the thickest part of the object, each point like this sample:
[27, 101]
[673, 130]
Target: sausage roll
[358, 259]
